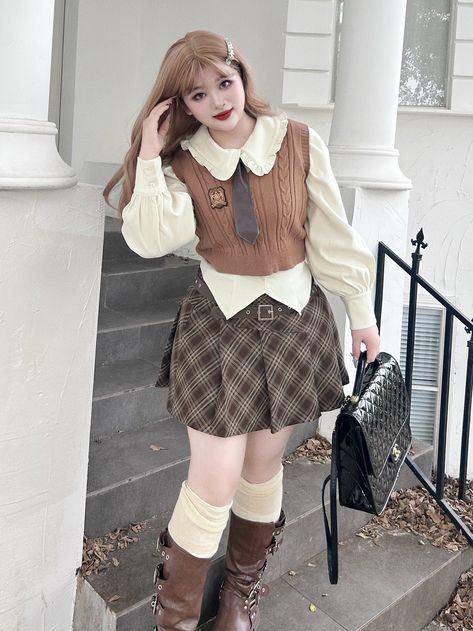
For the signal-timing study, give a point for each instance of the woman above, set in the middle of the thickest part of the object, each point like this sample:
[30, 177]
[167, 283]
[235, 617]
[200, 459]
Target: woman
[253, 349]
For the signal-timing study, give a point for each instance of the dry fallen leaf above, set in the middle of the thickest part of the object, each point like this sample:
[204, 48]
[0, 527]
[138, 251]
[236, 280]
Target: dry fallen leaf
[114, 598]
[416, 511]
[363, 535]
[291, 573]
[317, 449]
[458, 614]
[156, 447]
[312, 608]
[96, 553]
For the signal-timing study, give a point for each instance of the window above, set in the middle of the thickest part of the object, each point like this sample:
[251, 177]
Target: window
[425, 54]
[424, 71]
[425, 376]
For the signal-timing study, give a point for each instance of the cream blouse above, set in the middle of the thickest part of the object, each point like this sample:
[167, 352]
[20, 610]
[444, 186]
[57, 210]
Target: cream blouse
[159, 219]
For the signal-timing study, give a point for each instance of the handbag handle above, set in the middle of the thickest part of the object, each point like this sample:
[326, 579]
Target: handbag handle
[361, 366]
[360, 373]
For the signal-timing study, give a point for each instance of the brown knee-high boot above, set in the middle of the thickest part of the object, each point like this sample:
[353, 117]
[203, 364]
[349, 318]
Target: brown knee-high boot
[180, 581]
[249, 544]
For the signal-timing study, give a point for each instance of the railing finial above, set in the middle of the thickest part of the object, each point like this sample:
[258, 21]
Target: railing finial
[469, 329]
[419, 241]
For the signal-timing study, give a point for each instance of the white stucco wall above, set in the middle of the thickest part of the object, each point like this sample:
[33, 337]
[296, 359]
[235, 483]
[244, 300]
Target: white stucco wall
[50, 261]
[437, 153]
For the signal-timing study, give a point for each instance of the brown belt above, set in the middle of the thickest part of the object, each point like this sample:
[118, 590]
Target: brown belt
[260, 312]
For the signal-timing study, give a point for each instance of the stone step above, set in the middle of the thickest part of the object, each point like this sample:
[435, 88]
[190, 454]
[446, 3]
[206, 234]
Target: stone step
[129, 481]
[133, 333]
[114, 245]
[125, 376]
[304, 538]
[140, 282]
[125, 401]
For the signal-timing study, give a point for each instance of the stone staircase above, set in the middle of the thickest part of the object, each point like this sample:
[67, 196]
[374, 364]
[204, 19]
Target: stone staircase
[396, 585]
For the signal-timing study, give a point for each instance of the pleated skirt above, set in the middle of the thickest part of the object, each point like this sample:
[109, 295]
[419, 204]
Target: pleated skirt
[229, 377]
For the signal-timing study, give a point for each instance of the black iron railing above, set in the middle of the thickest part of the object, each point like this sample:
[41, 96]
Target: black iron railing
[452, 313]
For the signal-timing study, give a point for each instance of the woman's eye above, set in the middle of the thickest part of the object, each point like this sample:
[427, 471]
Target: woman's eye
[226, 83]
[197, 97]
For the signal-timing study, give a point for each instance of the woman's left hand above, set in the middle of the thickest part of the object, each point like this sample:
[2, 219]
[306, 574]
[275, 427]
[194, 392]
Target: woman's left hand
[371, 339]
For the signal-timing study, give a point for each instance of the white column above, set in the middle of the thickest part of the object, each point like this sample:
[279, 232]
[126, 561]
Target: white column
[50, 261]
[367, 88]
[28, 154]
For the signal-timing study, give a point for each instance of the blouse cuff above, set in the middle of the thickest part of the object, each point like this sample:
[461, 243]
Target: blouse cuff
[360, 310]
[149, 179]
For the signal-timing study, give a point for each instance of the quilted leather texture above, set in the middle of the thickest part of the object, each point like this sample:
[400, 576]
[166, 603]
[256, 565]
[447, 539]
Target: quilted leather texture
[367, 433]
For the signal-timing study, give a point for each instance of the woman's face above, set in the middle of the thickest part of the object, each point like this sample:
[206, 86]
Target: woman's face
[218, 98]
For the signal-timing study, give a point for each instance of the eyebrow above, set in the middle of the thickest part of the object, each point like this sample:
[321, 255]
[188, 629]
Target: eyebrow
[219, 78]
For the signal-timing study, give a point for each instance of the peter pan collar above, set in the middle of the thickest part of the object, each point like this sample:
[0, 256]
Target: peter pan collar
[258, 153]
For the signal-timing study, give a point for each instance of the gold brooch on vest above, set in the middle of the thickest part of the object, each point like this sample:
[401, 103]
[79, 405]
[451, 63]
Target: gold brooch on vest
[217, 197]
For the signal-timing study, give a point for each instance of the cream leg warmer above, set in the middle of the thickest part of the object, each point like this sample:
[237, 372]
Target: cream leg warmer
[196, 525]
[259, 502]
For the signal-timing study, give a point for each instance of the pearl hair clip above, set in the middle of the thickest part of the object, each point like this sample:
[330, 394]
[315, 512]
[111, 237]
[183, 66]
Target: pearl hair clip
[231, 52]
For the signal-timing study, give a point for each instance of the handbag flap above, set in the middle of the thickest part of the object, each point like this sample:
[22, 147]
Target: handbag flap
[382, 410]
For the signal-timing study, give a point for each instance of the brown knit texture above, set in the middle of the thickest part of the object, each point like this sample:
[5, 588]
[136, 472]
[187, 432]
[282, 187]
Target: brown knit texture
[280, 202]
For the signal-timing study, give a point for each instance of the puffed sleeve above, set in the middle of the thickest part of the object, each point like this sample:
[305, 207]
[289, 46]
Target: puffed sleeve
[159, 217]
[336, 254]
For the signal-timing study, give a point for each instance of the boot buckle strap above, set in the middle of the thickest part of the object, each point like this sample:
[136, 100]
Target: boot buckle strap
[158, 573]
[252, 604]
[253, 595]
[156, 606]
[154, 603]
[274, 545]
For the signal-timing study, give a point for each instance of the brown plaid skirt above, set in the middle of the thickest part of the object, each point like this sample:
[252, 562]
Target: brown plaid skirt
[240, 375]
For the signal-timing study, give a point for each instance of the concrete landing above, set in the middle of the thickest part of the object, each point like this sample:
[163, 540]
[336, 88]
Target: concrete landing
[394, 586]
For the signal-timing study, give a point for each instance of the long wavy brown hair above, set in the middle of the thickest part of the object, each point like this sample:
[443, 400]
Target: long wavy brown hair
[181, 66]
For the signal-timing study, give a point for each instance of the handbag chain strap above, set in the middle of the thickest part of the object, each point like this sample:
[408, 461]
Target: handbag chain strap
[331, 534]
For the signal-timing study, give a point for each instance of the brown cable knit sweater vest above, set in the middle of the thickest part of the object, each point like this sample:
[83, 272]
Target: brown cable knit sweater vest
[280, 202]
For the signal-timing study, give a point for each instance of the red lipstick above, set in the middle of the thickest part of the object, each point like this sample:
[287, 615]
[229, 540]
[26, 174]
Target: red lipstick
[224, 115]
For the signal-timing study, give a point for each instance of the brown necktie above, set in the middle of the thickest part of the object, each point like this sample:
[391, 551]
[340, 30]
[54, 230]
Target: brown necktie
[243, 212]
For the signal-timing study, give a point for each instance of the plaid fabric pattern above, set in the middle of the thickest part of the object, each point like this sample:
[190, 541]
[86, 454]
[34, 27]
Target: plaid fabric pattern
[235, 376]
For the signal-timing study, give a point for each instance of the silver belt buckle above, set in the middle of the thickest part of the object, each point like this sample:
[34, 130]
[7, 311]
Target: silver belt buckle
[269, 315]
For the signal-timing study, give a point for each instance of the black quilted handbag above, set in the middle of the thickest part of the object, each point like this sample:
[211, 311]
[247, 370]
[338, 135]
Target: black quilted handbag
[370, 442]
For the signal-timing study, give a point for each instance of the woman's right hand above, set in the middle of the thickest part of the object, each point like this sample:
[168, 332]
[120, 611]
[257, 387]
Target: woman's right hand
[154, 133]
